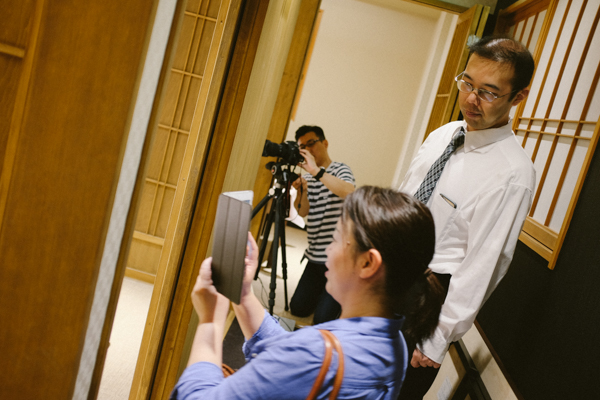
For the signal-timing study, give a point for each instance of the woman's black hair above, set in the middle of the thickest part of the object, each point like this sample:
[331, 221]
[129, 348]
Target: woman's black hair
[401, 229]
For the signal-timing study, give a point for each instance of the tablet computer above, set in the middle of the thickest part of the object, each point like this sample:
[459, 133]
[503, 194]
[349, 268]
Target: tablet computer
[232, 222]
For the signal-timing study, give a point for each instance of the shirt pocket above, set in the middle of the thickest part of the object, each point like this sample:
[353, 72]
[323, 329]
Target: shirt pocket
[444, 210]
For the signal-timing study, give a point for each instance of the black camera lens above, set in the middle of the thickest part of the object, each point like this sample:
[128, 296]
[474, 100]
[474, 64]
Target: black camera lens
[288, 151]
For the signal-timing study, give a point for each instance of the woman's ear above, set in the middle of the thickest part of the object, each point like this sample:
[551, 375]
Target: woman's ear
[370, 264]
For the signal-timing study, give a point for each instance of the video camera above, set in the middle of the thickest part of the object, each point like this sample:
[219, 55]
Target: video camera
[288, 152]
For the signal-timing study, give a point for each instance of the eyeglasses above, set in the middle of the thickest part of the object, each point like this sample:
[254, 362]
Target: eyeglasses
[483, 94]
[309, 144]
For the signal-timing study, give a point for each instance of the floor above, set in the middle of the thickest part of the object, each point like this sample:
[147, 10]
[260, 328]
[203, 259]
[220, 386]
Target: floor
[134, 302]
[125, 340]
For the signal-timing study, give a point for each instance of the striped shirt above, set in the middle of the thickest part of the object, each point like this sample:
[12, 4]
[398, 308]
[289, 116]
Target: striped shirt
[325, 209]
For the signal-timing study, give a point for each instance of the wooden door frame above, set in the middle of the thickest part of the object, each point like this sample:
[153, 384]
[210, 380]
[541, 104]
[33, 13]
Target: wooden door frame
[135, 201]
[445, 108]
[225, 129]
[162, 312]
[160, 356]
[239, 50]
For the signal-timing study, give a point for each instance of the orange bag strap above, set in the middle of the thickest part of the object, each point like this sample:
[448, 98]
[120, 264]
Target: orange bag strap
[331, 342]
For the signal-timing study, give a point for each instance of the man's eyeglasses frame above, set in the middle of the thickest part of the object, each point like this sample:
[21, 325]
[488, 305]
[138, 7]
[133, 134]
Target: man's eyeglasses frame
[482, 94]
[310, 143]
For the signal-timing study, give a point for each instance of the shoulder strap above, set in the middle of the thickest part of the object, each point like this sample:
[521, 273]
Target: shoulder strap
[331, 342]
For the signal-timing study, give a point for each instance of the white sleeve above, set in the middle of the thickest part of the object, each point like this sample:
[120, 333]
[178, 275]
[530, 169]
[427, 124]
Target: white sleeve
[492, 237]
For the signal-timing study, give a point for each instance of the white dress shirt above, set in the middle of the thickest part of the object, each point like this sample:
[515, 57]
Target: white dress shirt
[479, 205]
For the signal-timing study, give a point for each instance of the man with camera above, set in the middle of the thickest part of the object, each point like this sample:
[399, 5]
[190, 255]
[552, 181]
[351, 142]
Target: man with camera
[321, 193]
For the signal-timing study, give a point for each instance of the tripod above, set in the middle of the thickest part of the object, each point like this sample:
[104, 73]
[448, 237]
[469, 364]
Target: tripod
[278, 212]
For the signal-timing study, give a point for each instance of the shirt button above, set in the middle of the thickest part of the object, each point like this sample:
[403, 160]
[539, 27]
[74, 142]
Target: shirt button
[254, 355]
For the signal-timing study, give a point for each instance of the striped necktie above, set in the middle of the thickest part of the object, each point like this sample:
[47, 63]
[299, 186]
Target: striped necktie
[424, 192]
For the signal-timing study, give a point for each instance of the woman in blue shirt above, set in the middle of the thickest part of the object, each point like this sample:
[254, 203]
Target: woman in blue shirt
[382, 245]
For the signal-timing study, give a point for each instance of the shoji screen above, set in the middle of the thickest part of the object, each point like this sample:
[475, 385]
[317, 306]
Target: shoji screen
[558, 124]
[169, 146]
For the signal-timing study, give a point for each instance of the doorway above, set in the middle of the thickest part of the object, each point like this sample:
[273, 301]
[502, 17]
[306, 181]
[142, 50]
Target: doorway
[172, 134]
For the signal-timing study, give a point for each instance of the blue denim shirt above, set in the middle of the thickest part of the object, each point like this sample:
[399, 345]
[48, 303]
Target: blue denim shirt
[284, 365]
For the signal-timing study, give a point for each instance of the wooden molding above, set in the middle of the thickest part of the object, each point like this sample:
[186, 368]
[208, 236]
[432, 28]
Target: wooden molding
[19, 108]
[440, 5]
[149, 238]
[12, 50]
[536, 246]
[311, 45]
[543, 234]
[140, 275]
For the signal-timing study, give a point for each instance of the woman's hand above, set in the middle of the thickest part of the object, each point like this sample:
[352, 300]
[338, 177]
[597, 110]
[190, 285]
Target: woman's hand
[251, 262]
[210, 305]
[249, 313]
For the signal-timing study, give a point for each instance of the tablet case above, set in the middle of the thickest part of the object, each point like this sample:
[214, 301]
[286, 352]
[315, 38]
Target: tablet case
[232, 222]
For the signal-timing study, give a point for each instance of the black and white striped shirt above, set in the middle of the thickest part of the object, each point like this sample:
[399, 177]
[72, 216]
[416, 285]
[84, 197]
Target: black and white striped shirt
[325, 209]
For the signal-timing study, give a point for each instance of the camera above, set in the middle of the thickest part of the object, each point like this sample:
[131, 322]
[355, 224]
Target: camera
[288, 151]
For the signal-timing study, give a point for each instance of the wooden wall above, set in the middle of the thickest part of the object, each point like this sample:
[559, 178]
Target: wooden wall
[69, 72]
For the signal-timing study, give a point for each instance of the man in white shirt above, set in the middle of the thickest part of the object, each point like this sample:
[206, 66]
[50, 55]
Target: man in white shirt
[481, 199]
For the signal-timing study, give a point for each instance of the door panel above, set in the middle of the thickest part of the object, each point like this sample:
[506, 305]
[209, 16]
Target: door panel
[69, 77]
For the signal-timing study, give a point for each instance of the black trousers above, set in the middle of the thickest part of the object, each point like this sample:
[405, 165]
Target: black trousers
[310, 296]
[418, 380]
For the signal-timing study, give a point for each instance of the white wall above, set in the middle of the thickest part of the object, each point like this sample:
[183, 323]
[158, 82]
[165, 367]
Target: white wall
[364, 80]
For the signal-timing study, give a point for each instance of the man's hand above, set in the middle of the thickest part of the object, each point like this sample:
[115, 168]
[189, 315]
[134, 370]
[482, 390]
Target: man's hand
[309, 163]
[421, 360]
[300, 182]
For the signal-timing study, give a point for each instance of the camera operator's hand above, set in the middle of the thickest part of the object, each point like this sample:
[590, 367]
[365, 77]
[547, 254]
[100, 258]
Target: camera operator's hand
[300, 182]
[309, 163]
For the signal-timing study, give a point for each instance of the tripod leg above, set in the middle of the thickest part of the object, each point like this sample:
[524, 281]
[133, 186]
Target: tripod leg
[261, 204]
[265, 239]
[284, 260]
[275, 246]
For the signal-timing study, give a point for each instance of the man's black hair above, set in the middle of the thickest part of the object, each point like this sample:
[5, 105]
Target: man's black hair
[304, 129]
[504, 49]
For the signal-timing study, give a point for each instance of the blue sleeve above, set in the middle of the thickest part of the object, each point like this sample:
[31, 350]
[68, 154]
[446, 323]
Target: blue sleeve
[269, 328]
[191, 387]
[282, 370]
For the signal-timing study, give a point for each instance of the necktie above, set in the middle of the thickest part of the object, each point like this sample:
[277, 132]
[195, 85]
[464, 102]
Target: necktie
[424, 192]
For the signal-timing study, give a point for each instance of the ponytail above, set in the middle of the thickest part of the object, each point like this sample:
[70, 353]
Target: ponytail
[401, 228]
[423, 305]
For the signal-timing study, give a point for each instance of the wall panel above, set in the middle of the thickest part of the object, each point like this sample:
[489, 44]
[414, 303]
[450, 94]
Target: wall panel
[69, 115]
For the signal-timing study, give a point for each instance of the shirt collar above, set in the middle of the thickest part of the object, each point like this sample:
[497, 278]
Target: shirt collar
[480, 138]
[375, 326]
